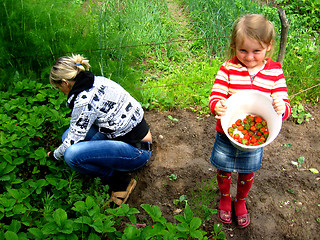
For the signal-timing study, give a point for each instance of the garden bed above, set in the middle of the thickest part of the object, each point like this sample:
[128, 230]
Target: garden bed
[284, 200]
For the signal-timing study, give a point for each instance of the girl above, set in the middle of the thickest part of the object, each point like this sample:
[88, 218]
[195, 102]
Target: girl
[248, 68]
[108, 136]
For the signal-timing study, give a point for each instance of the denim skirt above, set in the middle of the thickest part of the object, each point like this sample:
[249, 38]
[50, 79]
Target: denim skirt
[228, 158]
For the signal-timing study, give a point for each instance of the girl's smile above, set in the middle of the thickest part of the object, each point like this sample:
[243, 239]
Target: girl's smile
[251, 53]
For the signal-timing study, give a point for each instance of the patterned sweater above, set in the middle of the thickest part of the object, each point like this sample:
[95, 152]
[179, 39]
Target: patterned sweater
[107, 105]
[233, 77]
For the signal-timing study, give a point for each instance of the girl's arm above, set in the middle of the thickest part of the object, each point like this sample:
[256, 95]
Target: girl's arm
[219, 93]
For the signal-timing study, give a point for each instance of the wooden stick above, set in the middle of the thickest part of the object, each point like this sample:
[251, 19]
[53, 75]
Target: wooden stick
[284, 34]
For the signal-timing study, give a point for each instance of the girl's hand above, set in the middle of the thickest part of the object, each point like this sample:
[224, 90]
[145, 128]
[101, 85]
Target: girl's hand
[220, 109]
[279, 105]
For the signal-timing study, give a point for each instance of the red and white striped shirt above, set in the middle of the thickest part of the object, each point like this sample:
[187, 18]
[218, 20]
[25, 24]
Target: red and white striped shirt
[233, 77]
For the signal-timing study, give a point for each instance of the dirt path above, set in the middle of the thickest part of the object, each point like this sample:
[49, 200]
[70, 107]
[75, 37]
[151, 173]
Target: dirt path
[283, 201]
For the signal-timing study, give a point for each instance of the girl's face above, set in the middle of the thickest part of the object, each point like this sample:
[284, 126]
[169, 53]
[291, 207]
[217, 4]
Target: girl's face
[251, 53]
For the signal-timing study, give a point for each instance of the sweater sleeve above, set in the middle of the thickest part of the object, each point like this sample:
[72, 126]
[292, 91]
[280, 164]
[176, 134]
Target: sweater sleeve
[279, 90]
[81, 121]
[220, 87]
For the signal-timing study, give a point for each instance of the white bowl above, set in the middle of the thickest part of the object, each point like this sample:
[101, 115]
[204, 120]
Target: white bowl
[253, 102]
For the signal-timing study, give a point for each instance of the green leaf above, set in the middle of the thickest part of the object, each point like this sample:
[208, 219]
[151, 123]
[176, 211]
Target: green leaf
[217, 228]
[90, 202]
[221, 235]
[195, 223]
[153, 211]
[11, 236]
[94, 236]
[67, 227]
[79, 206]
[313, 170]
[15, 226]
[183, 227]
[50, 228]
[198, 234]
[84, 220]
[188, 213]
[19, 209]
[19, 194]
[60, 216]
[36, 232]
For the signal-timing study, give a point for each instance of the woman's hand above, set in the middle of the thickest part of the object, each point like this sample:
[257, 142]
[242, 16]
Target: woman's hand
[48, 153]
[279, 105]
[220, 109]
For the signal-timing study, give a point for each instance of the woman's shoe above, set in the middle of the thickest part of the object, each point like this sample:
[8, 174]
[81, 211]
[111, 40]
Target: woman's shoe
[225, 216]
[243, 220]
[121, 197]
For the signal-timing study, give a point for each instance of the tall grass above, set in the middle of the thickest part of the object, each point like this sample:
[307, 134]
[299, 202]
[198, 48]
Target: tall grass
[34, 33]
[213, 20]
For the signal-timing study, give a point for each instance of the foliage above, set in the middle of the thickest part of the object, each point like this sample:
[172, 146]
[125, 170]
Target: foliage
[32, 32]
[307, 11]
[44, 199]
[300, 114]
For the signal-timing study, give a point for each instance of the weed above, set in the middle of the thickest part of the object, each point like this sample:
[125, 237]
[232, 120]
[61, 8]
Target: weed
[299, 162]
[173, 119]
[182, 199]
[300, 114]
[173, 177]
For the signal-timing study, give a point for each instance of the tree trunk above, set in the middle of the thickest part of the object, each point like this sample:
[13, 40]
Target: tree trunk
[284, 34]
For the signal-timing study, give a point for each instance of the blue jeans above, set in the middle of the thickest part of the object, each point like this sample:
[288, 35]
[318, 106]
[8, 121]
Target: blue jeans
[98, 156]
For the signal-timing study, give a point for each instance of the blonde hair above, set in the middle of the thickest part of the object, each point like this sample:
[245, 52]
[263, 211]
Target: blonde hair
[253, 26]
[68, 68]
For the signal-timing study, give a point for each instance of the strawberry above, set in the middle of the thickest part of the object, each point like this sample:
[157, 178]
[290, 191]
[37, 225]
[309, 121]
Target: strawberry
[238, 122]
[258, 119]
[240, 128]
[253, 128]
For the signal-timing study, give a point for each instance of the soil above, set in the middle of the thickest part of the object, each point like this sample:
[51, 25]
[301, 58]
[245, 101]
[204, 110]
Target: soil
[284, 200]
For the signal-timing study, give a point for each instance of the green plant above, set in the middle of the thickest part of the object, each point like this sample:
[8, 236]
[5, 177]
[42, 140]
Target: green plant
[300, 114]
[202, 197]
[187, 228]
[182, 199]
[218, 233]
[299, 162]
[173, 177]
[173, 119]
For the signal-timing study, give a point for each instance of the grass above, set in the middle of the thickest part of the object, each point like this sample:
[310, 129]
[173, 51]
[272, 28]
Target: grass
[202, 198]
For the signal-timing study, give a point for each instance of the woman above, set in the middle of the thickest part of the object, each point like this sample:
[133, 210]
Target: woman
[108, 136]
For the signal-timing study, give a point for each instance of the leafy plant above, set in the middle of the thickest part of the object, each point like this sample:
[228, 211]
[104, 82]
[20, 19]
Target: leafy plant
[182, 199]
[299, 162]
[172, 118]
[173, 177]
[300, 114]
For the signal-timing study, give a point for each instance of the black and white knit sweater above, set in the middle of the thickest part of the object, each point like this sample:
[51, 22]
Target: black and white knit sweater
[102, 102]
